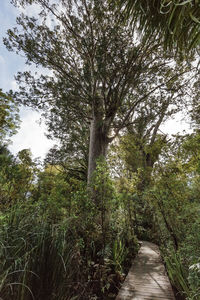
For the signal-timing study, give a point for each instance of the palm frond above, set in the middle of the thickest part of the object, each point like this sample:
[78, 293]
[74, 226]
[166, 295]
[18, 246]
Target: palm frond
[176, 23]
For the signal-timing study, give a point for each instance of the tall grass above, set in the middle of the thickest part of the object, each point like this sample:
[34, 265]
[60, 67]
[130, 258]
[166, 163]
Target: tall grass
[177, 273]
[41, 260]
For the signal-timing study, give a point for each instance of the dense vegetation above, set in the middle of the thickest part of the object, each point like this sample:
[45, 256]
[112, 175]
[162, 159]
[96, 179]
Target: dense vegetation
[69, 227]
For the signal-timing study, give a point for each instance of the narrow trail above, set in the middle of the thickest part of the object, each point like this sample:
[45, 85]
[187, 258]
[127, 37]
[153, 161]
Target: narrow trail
[147, 278]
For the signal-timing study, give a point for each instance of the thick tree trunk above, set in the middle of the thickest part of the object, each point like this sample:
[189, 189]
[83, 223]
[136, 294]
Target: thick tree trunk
[98, 144]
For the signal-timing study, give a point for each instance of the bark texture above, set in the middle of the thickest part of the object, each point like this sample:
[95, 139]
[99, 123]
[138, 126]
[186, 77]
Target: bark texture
[98, 143]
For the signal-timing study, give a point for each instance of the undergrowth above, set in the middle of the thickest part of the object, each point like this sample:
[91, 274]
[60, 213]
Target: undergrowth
[63, 258]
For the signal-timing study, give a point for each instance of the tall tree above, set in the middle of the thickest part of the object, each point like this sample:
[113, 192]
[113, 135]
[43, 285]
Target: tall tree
[97, 67]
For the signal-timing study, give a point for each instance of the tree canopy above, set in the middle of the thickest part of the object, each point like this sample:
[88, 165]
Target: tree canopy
[101, 70]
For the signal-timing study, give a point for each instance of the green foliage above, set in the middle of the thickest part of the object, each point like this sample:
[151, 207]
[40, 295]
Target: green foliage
[175, 199]
[17, 175]
[194, 280]
[177, 272]
[190, 247]
[103, 185]
[9, 117]
[119, 253]
[39, 260]
[169, 196]
[139, 151]
[56, 243]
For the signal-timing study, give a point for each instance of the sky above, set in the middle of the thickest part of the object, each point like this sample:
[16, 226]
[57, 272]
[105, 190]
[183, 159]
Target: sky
[31, 135]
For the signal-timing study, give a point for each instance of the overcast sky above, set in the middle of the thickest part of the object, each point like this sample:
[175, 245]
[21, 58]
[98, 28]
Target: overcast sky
[31, 134]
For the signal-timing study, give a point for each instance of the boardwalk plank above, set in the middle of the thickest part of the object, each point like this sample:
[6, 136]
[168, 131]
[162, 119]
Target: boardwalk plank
[147, 278]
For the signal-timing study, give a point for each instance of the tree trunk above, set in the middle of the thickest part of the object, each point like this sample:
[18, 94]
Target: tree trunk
[98, 144]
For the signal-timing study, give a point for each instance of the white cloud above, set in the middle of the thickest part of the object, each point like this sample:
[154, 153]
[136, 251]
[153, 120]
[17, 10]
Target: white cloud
[31, 135]
[30, 10]
[176, 125]
[13, 85]
[34, 10]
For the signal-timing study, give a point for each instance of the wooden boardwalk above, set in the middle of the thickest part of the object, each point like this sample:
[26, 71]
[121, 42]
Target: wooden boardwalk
[147, 278]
